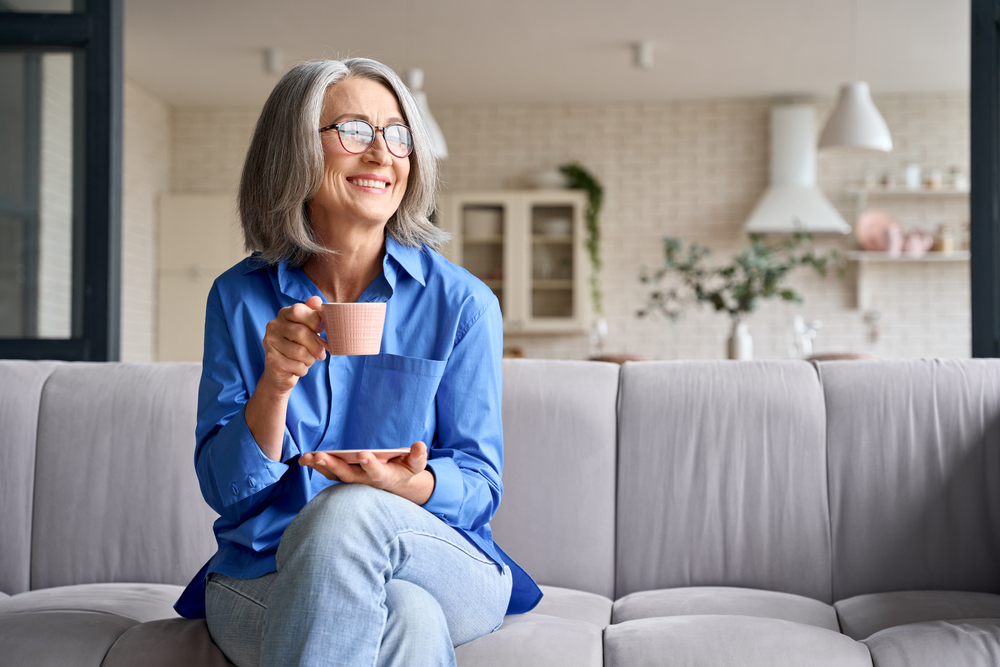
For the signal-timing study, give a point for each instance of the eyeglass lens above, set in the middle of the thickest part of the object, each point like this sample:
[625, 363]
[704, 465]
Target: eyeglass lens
[357, 136]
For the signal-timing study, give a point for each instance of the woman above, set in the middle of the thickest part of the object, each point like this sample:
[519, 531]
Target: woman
[321, 562]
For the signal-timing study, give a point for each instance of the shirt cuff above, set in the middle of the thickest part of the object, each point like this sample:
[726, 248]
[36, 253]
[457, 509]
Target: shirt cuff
[247, 471]
[446, 498]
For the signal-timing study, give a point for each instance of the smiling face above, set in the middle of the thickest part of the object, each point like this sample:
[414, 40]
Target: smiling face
[358, 189]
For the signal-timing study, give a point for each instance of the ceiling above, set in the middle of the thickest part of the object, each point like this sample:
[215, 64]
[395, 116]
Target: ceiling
[210, 52]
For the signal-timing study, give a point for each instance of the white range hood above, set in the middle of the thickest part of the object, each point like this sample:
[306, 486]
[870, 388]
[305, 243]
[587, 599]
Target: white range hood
[792, 202]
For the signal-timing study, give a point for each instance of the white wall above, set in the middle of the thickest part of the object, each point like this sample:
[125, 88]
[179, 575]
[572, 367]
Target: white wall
[693, 169]
[55, 210]
[146, 176]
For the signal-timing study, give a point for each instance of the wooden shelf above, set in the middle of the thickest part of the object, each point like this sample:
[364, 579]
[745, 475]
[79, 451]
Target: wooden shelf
[542, 238]
[473, 240]
[550, 283]
[903, 192]
[867, 256]
[864, 258]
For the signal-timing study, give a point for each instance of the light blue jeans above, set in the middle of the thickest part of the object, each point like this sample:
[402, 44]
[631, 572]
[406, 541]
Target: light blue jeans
[364, 578]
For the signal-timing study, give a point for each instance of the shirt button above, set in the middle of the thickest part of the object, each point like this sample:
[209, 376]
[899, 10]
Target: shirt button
[250, 482]
[235, 490]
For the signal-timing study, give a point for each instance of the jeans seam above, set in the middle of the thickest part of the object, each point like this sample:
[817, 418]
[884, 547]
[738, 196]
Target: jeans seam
[237, 592]
[482, 559]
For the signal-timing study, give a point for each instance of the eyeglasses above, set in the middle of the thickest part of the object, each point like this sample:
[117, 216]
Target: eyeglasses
[357, 136]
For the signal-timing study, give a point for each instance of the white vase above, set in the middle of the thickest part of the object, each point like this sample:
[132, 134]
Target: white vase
[740, 341]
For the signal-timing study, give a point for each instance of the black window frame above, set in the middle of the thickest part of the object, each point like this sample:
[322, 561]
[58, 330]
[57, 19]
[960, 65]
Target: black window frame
[94, 35]
[984, 161]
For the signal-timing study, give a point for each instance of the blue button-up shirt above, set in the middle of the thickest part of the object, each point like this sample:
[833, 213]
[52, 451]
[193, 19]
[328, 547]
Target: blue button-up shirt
[436, 379]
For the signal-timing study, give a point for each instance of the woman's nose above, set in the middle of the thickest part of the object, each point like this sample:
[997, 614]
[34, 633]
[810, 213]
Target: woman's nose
[379, 152]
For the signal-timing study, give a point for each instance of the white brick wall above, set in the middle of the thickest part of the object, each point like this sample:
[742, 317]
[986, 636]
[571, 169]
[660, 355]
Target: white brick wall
[146, 176]
[209, 145]
[693, 169]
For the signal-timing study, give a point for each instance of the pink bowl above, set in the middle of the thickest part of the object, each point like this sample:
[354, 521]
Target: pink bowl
[878, 231]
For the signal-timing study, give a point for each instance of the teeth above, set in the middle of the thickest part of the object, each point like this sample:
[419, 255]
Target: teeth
[367, 183]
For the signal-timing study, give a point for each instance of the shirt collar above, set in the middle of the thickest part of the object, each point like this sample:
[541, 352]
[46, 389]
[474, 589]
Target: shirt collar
[408, 257]
[296, 284]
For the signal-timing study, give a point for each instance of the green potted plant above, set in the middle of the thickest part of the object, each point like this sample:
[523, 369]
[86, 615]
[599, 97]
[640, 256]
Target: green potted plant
[755, 273]
[577, 177]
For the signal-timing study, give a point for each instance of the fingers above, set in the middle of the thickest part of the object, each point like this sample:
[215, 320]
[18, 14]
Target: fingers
[287, 356]
[303, 314]
[291, 344]
[329, 466]
[416, 460]
[369, 470]
[378, 472]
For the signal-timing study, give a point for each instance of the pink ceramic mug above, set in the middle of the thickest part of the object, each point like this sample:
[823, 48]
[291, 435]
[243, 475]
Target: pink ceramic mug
[354, 328]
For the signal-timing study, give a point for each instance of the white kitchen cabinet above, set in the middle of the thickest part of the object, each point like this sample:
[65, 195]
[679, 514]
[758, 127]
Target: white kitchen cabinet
[528, 246]
[199, 239]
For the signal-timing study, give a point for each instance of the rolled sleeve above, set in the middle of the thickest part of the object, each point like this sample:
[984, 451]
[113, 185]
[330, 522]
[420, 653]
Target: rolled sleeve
[449, 489]
[238, 466]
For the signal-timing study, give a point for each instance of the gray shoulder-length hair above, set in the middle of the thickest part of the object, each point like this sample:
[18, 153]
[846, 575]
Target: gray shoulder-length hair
[284, 165]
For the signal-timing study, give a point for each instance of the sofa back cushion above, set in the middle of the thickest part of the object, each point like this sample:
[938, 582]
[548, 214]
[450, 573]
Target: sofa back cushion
[116, 496]
[722, 477]
[21, 385]
[914, 474]
[557, 517]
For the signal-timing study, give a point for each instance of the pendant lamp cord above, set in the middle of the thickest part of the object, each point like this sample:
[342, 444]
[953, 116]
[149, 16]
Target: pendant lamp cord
[854, 40]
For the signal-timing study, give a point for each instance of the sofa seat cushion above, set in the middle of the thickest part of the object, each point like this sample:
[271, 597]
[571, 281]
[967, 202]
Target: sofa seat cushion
[535, 640]
[969, 643]
[864, 615]
[167, 643]
[723, 600]
[574, 605]
[723, 641]
[59, 638]
[139, 602]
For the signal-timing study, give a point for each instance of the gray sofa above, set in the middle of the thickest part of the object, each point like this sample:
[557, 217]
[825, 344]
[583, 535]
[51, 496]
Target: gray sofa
[676, 513]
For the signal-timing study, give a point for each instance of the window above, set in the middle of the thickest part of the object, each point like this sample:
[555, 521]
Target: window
[985, 178]
[60, 178]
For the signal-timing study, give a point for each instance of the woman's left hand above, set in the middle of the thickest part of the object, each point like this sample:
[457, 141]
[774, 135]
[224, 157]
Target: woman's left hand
[406, 476]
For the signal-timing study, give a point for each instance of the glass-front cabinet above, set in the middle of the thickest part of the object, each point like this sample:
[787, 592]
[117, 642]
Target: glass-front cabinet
[528, 247]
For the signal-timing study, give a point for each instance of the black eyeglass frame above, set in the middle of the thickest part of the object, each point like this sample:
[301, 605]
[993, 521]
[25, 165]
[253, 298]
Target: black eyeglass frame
[375, 128]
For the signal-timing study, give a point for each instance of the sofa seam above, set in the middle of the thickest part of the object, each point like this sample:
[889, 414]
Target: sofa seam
[34, 476]
[618, 425]
[829, 498]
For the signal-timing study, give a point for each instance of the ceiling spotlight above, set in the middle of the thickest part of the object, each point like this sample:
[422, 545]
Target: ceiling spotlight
[274, 60]
[643, 54]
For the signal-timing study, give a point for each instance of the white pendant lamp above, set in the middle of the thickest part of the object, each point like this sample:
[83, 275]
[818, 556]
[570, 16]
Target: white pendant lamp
[856, 123]
[415, 82]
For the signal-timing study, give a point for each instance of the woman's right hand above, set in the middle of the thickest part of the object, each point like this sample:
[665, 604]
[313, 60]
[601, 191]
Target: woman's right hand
[292, 344]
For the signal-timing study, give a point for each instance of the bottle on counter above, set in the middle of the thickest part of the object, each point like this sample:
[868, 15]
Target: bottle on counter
[957, 178]
[944, 242]
[913, 176]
